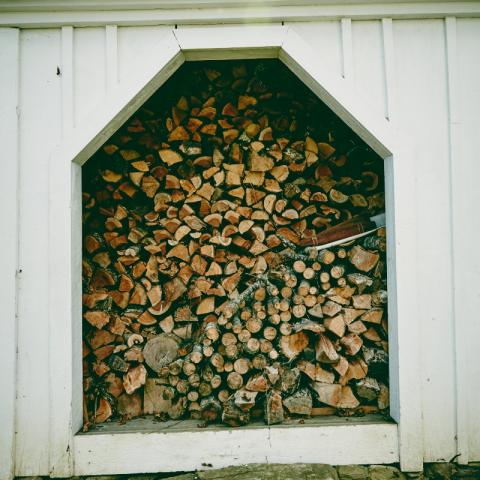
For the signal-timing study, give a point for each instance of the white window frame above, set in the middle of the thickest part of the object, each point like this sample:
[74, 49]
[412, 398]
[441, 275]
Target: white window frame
[147, 450]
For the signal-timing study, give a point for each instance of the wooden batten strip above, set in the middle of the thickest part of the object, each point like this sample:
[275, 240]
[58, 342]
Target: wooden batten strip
[457, 220]
[111, 56]
[9, 273]
[389, 67]
[66, 72]
[347, 48]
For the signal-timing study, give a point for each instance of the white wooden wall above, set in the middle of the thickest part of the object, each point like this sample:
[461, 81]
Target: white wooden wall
[424, 75]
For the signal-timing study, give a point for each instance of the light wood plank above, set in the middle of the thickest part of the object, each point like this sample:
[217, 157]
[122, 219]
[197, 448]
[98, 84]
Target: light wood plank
[89, 70]
[404, 332]
[66, 74]
[389, 68]
[368, 71]
[40, 131]
[467, 223]
[457, 266]
[135, 45]
[9, 61]
[322, 442]
[421, 83]
[326, 39]
[111, 56]
[132, 15]
[347, 49]
[227, 42]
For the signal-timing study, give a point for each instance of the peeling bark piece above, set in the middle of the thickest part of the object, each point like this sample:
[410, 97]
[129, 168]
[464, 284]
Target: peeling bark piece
[308, 325]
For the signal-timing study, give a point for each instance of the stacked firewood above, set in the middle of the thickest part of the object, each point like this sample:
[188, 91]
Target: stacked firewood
[206, 294]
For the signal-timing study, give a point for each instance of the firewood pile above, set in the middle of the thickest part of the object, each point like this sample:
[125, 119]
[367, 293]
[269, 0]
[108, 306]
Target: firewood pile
[207, 292]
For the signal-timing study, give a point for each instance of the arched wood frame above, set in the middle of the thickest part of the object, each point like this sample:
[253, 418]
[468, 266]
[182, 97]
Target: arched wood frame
[73, 454]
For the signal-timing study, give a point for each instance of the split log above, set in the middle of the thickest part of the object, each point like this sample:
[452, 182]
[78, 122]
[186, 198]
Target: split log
[157, 397]
[234, 416]
[273, 408]
[335, 395]
[292, 345]
[134, 379]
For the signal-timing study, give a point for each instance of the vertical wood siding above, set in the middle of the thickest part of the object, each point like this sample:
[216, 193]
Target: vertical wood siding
[9, 61]
[402, 69]
[40, 129]
[90, 75]
[466, 165]
[423, 114]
